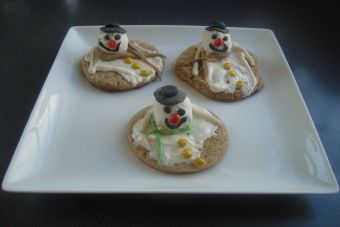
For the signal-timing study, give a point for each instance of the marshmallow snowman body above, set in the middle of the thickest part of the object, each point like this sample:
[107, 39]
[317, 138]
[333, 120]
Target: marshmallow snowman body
[216, 41]
[113, 42]
[172, 116]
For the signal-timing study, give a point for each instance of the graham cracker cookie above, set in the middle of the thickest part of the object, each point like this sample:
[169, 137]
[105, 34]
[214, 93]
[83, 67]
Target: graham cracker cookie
[117, 64]
[213, 149]
[218, 68]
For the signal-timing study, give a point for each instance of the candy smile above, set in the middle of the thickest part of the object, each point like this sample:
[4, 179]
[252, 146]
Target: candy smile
[172, 125]
[109, 49]
[223, 49]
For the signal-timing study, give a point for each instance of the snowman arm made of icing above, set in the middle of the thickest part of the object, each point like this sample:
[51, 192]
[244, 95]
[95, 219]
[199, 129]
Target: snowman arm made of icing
[135, 44]
[195, 66]
[89, 57]
[146, 120]
[243, 59]
[205, 114]
[246, 60]
[237, 48]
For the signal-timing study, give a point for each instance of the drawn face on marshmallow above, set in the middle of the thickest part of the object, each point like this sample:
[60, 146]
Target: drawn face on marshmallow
[215, 41]
[113, 42]
[216, 38]
[172, 109]
[112, 39]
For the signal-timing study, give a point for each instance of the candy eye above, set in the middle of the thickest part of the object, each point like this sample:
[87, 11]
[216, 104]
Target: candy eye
[107, 37]
[167, 109]
[117, 37]
[181, 112]
[214, 36]
[225, 38]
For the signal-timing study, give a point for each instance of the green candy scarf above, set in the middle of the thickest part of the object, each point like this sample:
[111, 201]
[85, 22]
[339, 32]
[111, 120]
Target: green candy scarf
[158, 133]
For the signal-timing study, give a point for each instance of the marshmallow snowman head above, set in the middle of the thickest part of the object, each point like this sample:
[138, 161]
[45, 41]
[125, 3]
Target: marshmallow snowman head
[112, 38]
[172, 109]
[216, 38]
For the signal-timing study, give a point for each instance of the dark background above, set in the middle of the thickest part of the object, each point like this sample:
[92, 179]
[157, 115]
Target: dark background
[31, 33]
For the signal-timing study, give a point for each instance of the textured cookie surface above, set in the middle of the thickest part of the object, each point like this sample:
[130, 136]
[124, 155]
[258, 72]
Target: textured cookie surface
[199, 83]
[214, 148]
[112, 81]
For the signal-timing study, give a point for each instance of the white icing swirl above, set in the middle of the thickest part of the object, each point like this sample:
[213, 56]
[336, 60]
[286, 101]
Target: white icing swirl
[219, 79]
[125, 70]
[202, 130]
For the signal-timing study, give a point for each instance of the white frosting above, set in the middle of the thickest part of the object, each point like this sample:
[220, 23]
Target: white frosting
[160, 115]
[201, 130]
[124, 41]
[207, 39]
[125, 70]
[218, 76]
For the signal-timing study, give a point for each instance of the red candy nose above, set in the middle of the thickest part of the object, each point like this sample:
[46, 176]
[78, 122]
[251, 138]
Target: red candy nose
[218, 42]
[112, 43]
[175, 119]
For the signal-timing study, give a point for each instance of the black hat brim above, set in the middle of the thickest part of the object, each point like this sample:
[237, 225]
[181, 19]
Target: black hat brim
[162, 98]
[113, 30]
[223, 30]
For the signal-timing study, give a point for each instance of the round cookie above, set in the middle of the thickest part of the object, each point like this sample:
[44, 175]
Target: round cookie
[212, 151]
[199, 83]
[113, 81]
[117, 64]
[216, 48]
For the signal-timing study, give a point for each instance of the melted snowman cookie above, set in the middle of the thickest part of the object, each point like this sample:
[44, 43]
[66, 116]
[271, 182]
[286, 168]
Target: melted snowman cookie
[175, 135]
[218, 67]
[117, 64]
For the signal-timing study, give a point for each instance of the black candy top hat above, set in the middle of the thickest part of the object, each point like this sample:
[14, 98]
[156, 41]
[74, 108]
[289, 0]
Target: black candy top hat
[111, 28]
[217, 26]
[169, 95]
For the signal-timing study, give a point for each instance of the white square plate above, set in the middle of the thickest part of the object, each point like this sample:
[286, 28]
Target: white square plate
[75, 139]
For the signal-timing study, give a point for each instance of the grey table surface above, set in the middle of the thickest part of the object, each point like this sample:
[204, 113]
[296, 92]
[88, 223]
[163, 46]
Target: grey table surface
[31, 34]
